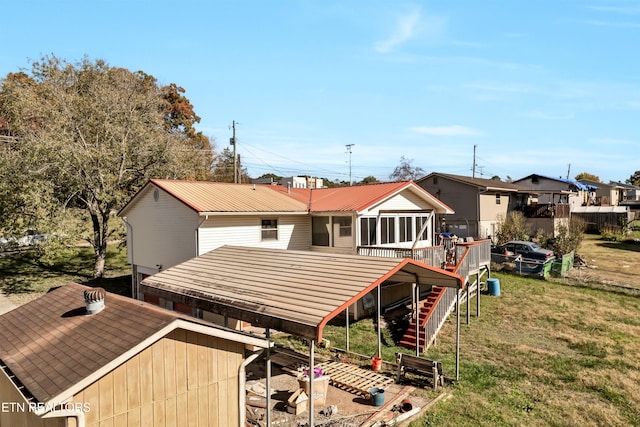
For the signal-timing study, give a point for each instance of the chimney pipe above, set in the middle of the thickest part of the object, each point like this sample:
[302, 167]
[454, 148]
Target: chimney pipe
[94, 300]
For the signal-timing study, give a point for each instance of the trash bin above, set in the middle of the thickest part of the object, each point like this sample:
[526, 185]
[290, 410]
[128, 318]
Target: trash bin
[377, 396]
[376, 364]
[494, 287]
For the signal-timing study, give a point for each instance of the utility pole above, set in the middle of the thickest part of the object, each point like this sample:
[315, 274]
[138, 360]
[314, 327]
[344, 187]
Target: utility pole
[474, 161]
[569, 171]
[349, 151]
[232, 141]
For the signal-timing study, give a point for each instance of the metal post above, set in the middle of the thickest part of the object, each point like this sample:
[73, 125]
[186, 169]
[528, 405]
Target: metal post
[468, 303]
[478, 294]
[268, 380]
[457, 334]
[416, 299]
[379, 329]
[312, 350]
[347, 322]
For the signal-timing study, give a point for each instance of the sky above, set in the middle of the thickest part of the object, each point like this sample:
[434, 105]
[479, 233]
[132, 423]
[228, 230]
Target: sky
[344, 89]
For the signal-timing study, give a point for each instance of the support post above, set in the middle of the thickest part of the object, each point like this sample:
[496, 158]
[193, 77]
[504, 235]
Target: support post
[458, 334]
[468, 303]
[312, 351]
[347, 324]
[478, 294]
[379, 329]
[416, 298]
[268, 380]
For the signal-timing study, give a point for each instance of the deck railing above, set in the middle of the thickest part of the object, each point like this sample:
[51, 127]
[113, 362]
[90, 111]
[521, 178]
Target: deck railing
[470, 258]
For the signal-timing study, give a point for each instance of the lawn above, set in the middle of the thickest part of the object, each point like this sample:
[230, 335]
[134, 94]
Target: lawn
[23, 277]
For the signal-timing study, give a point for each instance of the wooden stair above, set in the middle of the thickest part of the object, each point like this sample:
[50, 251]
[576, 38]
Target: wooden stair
[427, 307]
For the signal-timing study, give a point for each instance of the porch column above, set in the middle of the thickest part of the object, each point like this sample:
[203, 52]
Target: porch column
[416, 299]
[468, 303]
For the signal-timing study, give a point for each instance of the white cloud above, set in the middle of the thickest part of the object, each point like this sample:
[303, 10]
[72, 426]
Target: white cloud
[453, 130]
[406, 28]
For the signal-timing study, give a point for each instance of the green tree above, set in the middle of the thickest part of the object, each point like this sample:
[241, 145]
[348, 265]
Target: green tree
[224, 169]
[512, 227]
[405, 171]
[88, 137]
[369, 180]
[634, 179]
[587, 176]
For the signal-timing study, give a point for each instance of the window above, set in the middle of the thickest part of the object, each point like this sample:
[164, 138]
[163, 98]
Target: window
[269, 229]
[406, 229]
[320, 231]
[497, 199]
[387, 230]
[367, 231]
[342, 234]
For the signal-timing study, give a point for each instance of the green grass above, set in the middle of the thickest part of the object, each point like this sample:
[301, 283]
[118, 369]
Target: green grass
[543, 353]
[24, 277]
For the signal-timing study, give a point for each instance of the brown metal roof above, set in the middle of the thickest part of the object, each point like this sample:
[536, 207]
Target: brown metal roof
[491, 184]
[290, 291]
[51, 345]
[222, 197]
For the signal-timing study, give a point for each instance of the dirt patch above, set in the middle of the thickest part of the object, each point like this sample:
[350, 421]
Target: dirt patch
[342, 408]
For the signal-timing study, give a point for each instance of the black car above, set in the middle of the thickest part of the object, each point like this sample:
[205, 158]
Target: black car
[528, 250]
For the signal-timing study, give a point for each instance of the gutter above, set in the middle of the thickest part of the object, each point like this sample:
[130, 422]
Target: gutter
[66, 413]
[196, 231]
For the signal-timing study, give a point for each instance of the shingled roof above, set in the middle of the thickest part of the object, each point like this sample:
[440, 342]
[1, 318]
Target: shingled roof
[54, 349]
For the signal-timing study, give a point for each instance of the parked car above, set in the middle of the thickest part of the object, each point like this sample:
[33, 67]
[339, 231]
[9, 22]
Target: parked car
[31, 238]
[528, 250]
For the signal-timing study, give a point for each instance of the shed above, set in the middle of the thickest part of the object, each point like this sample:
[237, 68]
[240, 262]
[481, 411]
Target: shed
[130, 364]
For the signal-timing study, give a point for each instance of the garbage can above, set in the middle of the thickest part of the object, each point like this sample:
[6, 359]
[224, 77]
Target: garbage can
[377, 396]
[494, 287]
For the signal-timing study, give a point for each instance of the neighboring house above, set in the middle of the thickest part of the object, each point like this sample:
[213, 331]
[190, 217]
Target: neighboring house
[611, 194]
[480, 204]
[169, 222]
[558, 190]
[128, 364]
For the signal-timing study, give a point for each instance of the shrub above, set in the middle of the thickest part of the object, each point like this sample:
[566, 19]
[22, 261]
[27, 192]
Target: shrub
[513, 227]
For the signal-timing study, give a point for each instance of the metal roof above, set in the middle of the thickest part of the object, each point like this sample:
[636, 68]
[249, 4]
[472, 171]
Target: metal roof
[357, 198]
[290, 291]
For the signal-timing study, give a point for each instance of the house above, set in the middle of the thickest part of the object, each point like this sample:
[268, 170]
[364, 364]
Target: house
[556, 191]
[169, 221]
[79, 356]
[611, 194]
[480, 204]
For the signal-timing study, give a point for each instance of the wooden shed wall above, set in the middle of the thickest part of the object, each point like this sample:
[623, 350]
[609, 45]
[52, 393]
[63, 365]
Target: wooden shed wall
[185, 379]
[12, 415]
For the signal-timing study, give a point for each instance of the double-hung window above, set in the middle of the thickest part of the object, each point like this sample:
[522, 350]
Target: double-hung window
[269, 229]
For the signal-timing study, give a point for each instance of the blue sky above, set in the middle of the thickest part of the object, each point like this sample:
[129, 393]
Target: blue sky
[546, 86]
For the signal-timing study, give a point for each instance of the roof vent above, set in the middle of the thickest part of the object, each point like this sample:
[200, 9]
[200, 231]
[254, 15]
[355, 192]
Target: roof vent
[94, 299]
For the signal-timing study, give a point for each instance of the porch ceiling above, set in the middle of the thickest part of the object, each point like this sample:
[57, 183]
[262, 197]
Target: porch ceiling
[291, 291]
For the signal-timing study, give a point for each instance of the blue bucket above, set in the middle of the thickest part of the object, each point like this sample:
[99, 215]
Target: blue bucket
[494, 287]
[377, 396]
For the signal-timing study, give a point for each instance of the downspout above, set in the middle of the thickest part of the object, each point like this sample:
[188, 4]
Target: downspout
[134, 272]
[65, 413]
[242, 384]
[206, 217]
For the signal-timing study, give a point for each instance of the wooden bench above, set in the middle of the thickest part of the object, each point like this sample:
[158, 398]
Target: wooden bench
[428, 368]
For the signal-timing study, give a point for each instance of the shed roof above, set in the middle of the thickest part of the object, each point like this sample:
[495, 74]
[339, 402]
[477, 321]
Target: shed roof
[290, 291]
[55, 350]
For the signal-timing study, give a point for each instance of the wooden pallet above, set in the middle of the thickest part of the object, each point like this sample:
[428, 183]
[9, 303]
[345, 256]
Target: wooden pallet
[352, 378]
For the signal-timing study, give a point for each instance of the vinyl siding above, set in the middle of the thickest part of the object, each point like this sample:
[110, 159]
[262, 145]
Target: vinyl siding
[294, 232]
[163, 231]
[405, 200]
[185, 378]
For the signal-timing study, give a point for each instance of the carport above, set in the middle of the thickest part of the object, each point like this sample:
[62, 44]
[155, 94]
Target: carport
[297, 292]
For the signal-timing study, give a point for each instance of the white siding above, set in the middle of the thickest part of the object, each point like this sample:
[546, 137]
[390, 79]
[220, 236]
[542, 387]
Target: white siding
[294, 232]
[405, 200]
[162, 231]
